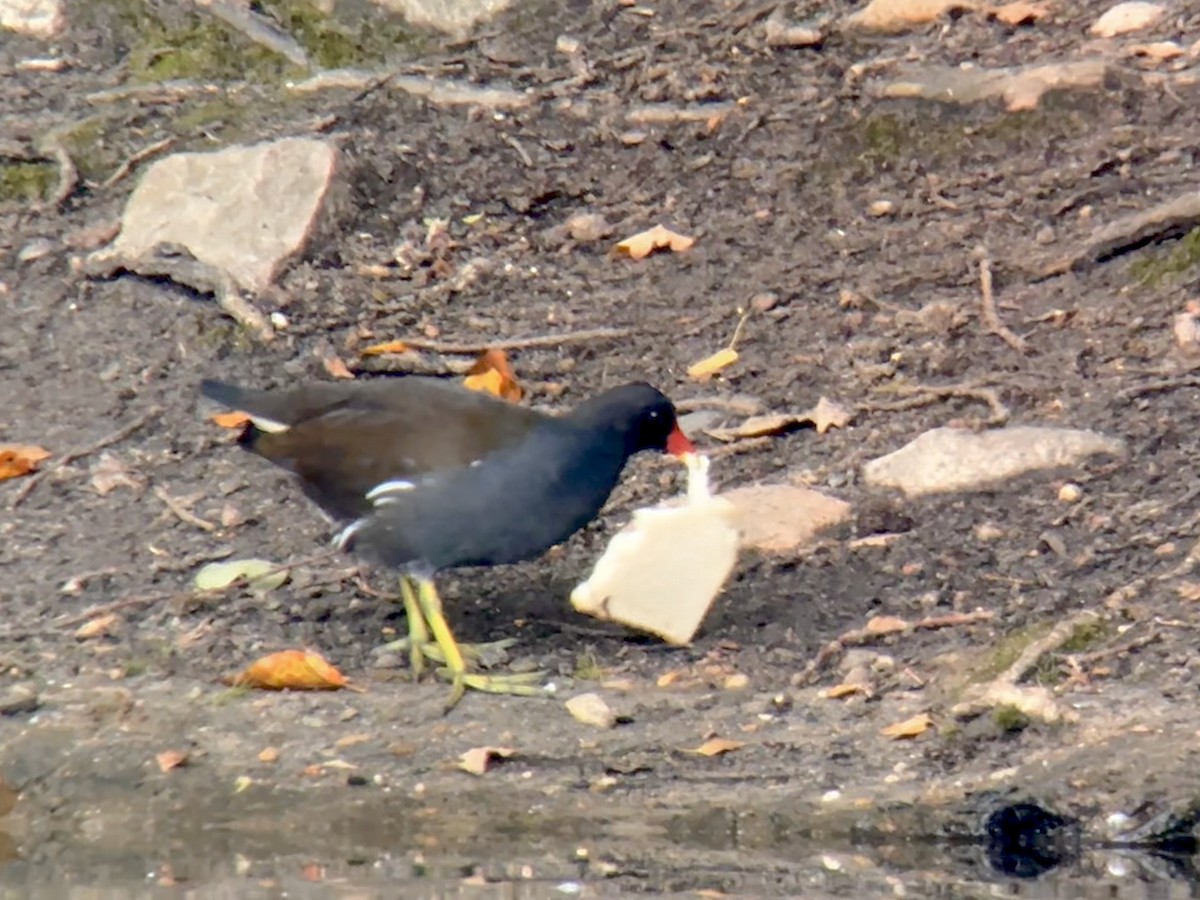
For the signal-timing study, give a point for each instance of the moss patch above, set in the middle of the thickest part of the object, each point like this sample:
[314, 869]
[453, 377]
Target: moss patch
[27, 181]
[1168, 263]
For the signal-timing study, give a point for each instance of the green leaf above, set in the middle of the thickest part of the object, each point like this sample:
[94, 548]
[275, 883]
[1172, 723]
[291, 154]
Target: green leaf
[217, 576]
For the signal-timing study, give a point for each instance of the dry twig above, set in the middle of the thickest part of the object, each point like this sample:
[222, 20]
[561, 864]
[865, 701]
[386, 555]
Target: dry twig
[924, 395]
[991, 318]
[180, 512]
[66, 459]
[145, 153]
[859, 636]
[526, 343]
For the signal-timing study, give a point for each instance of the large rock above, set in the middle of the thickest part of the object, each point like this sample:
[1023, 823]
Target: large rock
[953, 459]
[44, 19]
[246, 211]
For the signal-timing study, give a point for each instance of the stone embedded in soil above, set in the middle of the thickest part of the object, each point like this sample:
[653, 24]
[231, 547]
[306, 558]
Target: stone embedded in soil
[1020, 87]
[43, 19]
[591, 709]
[244, 210]
[952, 459]
[779, 518]
[19, 700]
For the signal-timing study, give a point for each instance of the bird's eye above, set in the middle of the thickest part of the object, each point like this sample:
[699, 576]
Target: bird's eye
[654, 413]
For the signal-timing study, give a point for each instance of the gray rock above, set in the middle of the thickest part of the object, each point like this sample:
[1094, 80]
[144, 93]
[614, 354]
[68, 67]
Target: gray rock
[953, 459]
[245, 211]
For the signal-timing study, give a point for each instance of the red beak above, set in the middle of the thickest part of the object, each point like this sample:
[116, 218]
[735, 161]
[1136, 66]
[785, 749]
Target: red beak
[678, 443]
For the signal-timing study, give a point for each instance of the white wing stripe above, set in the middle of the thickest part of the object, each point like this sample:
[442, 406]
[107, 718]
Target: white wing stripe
[379, 494]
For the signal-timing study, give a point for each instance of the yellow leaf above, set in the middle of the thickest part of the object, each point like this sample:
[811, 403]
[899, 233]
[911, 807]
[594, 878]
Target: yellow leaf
[642, 244]
[476, 759]
[295, 670]
[717, 746]
[491, 374]
[20, 459]
[385, 347]
[710, 365]
[909, 728]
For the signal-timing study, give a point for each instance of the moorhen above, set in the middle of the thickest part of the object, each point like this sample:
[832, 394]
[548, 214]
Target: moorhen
[422, 475]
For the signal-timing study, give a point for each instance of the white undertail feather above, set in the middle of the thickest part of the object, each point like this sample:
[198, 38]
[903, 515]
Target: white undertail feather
[342, 539]
[268, 425]
[385, 493]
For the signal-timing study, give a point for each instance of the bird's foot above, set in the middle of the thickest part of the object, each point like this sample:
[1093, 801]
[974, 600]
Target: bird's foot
[521, 684]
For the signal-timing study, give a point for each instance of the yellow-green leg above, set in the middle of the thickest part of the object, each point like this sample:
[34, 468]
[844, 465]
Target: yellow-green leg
[418, 632]
[455, 668]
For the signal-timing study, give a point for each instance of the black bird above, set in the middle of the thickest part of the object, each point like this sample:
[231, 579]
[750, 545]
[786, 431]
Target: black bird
[423, 475]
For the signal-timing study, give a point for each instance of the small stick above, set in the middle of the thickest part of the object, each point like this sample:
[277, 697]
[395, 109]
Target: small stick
[145, 153]
[923, 395]
[859, 636]
[526, 343]
[180, 513]
[107, 441]
[68, 174]
[520, 151]
[991, 318]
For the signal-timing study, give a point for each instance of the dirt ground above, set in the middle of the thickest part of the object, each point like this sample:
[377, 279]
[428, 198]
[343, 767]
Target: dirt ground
[778, 191]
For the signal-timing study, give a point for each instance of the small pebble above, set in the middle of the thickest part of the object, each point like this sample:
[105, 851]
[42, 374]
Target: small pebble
[881, 208]
[591, 709]
[1070, 493]
[738, 681]
[18, 700]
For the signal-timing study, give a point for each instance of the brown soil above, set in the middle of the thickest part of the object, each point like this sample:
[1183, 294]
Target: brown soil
[777, 193]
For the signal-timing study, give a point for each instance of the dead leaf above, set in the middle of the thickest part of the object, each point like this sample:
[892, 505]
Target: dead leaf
[109, 473]
[666, 679]
[642, 244]
[20, 459]
[385, 347]
[491, 374]
[294, 670]
[1018, 13]
[269, 755]
[477, 759]
[717, 746]
[336, 367]
[710, 365]
[1188, 590]
[170, 759]
[97, 627]
[351, 740]
[909, 728]
[880, 625]
[233, 419]
[828, 414]
[838, 691]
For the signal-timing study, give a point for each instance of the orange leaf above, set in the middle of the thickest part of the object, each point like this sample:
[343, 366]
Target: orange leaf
[909, 728]
[20, 459]
[491, 374]
[170, 759]
[230, 419]
[710, 365]
[717, 746]
[476, 759]
[385, 347]
[880, 625]
[336, 367]
[295, 670]
[642, 244]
